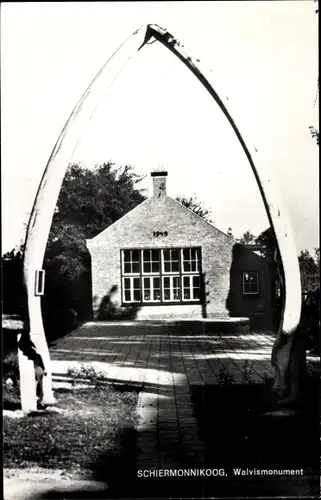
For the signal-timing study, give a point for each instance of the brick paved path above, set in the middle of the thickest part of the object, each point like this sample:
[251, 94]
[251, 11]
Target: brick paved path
[164, 362]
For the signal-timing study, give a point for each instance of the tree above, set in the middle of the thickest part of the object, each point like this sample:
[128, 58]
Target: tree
[13, 299]
[248, 238]
[90, 200]
[196, 206]
[309, 269]
[317, 257]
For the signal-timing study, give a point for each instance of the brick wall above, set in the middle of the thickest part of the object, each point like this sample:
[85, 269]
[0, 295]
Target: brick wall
[184, 229]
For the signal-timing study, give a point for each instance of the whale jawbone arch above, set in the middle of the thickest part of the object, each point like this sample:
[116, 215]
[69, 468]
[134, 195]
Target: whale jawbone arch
[48, 192]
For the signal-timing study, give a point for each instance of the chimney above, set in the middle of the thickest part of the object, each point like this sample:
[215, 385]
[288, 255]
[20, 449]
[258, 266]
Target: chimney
[159, 184]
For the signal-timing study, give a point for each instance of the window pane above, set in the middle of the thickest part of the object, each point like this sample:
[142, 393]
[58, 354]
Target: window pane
[196, 281]
[127, 283]
[166, 294]
[127, 267]
[136, 295]
[194, 266]
[176, 294]
[147, 267]
[127, 295]
[136, 283]
[155, 255]
[156, 282]
[186, 254]
[166, 254]
[146, 294]
[146, 283]
[175, 267]
[156, 294]
[155, 267]
[167, 267]
[126, 255]
[186, 281]
[146, 255]
[250, 283]
[196, 293]
[135, 255]
[135, 267]
[187, 267]
[166, 282]
[175, 255]
[187, 293]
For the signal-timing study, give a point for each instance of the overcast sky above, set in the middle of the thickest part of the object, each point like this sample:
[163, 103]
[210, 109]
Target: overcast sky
[263, 54]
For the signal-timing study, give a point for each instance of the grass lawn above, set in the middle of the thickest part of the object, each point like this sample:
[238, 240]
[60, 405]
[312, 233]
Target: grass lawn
[92, 434]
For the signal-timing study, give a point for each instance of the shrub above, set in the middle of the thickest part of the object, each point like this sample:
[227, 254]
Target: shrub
[86, 373]
[247, 372]
[225, 378]
[10, 369]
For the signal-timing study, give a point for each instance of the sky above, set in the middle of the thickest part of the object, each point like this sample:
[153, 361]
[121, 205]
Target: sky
[263, 56]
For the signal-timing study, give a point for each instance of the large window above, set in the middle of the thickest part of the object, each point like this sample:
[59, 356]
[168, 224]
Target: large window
[161, 276]
[251, 283]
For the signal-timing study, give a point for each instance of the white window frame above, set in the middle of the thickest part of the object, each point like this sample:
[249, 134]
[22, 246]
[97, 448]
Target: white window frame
[131, 289]
[130, 261]
[197, 260]
[161, 274]
[171, 288]
[191, 287]
[40, 282]
[169, 273]
[151, 288]
[244, 282]
[152, 273]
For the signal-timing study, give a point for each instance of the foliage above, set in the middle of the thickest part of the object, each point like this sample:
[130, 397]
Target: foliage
[90, 200]
[309, 269]
[196, 206]
[224, 377]
[310, 320]
[86, 373]
[248, 238]
[13, 297]
[10, 370]
[247, 372]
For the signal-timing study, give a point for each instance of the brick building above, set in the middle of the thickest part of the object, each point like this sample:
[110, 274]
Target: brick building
[161, 260]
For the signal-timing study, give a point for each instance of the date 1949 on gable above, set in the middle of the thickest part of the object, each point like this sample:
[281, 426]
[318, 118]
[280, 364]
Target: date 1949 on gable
[157, 234]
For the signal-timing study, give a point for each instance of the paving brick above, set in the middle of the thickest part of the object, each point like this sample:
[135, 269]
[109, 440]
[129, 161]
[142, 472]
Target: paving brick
[167, 421]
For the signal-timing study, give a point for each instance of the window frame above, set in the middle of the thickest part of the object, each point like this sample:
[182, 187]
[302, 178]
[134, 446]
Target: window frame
[191, 286]
[257, 292]
[131, 262]
[171, 278]
[151, 281]
[131, 289]
[161, 274]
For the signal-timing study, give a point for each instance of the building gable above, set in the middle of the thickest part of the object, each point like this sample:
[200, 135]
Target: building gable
[157, 220]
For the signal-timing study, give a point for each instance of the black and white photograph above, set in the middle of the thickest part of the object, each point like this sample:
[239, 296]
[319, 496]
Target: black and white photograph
[160, 250]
